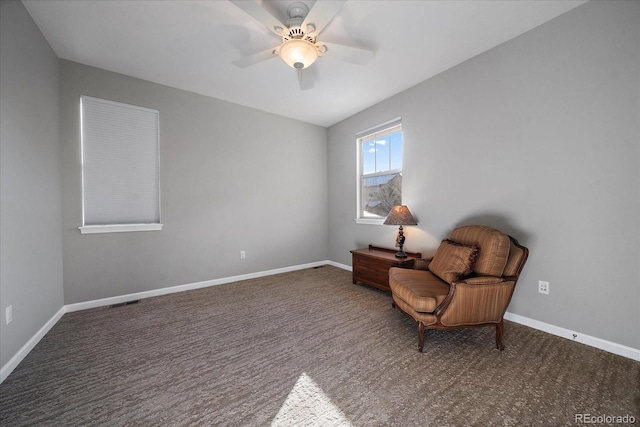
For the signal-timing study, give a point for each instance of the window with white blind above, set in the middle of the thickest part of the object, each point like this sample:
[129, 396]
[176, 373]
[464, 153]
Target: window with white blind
[379, 171]
[120, 167]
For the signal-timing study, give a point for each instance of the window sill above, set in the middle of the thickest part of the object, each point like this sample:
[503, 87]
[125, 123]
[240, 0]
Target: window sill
[369, 221]
[118, 228]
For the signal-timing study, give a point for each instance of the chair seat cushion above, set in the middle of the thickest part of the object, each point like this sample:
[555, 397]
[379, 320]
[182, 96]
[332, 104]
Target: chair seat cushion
[420, 289]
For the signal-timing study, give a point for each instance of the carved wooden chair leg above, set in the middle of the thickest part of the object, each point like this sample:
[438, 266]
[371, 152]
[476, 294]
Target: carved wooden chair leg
[499, 334]
[421, 332]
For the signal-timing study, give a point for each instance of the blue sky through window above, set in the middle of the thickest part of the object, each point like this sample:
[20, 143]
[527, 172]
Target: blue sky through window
[382, 153]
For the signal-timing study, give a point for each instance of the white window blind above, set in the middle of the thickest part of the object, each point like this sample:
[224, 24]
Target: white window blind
[120, 167]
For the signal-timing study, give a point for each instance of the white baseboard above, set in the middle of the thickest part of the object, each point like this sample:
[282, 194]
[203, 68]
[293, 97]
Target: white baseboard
[22, 353]
[69, 308]
[611, 347]
[342, 266]
[188, 287]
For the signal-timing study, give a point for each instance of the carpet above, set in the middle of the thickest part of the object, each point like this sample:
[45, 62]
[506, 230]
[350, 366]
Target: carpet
[304, 348]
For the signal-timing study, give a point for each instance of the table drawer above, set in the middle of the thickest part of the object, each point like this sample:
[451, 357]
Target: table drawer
[376, 274]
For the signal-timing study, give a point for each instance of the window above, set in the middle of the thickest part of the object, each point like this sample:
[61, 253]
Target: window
[120, 167]
[379, 171]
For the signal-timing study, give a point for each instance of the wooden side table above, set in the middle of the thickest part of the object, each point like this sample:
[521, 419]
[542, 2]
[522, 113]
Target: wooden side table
[371, 265]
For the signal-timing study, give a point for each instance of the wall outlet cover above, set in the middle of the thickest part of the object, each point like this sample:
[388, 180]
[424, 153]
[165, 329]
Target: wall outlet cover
[543, 287]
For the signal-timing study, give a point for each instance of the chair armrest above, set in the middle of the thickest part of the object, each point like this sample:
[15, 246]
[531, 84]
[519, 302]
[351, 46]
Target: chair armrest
[476, 303]
[483, 280]
[422, 263]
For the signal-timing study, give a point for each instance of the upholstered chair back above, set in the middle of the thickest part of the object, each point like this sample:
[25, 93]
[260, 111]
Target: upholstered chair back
[494, 248]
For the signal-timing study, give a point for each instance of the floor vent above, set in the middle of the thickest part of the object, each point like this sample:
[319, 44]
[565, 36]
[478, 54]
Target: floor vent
[122, 304]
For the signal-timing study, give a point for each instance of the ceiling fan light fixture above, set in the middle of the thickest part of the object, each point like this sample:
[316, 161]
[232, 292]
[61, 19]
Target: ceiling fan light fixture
[298, 53]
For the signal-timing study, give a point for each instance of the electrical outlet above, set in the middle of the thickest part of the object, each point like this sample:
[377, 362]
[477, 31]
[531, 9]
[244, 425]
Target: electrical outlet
[8, 314]
[243, 255]
[543, 287]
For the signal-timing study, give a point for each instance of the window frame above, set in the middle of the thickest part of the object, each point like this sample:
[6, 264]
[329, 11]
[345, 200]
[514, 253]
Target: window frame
[360, 140]
[124, 226]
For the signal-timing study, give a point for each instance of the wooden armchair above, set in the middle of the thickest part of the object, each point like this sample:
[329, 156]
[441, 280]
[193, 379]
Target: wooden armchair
[468, 283]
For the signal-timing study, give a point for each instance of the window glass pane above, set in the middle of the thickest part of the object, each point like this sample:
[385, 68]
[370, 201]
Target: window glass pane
[396, 150]
[382, 153]
[368, 156]
[380, 193]
[380, 150]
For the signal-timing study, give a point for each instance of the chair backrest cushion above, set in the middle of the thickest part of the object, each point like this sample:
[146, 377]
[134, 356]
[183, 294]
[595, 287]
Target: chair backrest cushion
[493, 246]
[515, 261]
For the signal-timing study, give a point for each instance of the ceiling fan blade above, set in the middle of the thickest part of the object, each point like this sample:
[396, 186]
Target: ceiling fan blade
[255, 10]
[255, 58]
[354, 55]
[321, 14]
[305, 78]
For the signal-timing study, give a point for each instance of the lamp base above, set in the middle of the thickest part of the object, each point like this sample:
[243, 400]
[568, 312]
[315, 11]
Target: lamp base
[400, 244]
[401, 254]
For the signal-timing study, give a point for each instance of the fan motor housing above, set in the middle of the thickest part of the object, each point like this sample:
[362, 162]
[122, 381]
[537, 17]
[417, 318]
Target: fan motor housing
[297, 33]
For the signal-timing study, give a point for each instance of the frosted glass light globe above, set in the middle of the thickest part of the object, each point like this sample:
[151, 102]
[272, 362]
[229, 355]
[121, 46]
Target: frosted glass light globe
[298, 53]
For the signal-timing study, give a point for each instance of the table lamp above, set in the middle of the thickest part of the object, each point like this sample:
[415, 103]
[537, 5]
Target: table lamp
[400, 215]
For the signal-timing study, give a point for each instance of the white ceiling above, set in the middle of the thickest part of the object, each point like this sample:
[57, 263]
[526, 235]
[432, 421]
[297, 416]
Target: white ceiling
[190, 45]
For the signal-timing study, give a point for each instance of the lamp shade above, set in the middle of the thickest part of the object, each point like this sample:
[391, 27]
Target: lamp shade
[298, 53]
[400, 215]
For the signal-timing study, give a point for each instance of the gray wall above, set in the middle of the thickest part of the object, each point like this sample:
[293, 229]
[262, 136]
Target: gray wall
[539, 137]
[232, 179]
[30, 212]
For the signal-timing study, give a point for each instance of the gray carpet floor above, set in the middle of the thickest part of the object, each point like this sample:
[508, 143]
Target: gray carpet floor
[303, 348]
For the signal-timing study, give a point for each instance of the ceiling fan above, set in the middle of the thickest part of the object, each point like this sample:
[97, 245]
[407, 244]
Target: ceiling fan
[299, 47]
